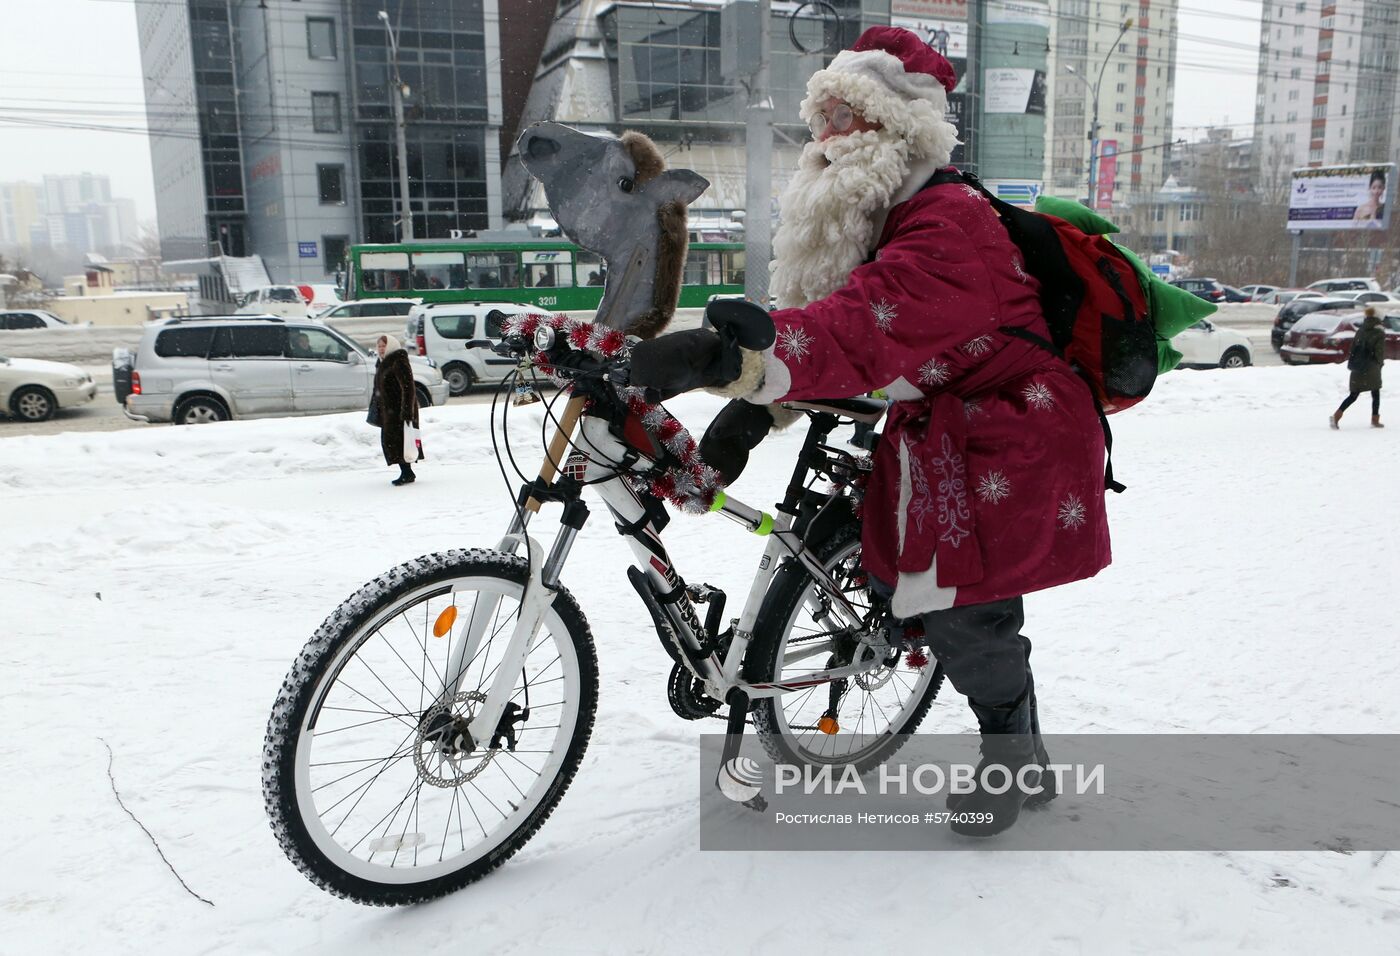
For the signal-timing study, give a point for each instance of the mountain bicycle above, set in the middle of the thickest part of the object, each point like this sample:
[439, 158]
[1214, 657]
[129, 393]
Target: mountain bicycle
[435, 719]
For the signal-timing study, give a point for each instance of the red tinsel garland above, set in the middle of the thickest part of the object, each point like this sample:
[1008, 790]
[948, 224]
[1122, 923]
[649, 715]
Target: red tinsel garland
[690, 484]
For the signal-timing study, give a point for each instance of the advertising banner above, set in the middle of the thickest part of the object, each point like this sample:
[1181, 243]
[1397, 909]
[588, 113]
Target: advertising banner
[1341, 197]
[1017, 192]
[1029, 13]
[1108, 174]
[1014, 91]
[929, 10]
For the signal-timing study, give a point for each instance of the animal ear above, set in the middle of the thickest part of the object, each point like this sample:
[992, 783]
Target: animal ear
[678, 185]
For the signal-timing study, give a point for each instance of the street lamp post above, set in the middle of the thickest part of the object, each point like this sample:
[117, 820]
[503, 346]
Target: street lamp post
[1094, 123]
[405, 209]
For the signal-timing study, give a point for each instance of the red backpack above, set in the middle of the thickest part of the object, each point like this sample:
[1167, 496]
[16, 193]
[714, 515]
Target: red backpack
[1093, 303]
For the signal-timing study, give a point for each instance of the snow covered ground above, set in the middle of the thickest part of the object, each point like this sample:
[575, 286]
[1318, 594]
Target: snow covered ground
[159, 582]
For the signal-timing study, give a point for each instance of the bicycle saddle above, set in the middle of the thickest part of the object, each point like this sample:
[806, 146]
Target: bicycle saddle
[867, 410]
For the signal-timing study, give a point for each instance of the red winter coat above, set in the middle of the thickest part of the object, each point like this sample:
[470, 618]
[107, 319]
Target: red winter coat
[989, 481]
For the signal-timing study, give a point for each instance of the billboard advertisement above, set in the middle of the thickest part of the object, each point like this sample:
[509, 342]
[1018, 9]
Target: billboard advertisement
[1108, 174]
[1017, 192]
[1341, 197]
[1014, 91]
[942, 24]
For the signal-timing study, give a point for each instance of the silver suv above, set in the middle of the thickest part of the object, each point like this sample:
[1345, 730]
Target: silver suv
[214, 368]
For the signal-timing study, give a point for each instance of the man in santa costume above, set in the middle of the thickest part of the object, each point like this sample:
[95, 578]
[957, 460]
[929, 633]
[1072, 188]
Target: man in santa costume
[989, 477]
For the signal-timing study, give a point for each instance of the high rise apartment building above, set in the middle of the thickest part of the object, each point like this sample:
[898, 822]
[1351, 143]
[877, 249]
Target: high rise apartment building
[1326, 89]
[1134, 95]
[75, 212]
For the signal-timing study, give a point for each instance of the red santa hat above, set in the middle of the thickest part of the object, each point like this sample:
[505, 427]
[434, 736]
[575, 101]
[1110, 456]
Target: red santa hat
[893, 78]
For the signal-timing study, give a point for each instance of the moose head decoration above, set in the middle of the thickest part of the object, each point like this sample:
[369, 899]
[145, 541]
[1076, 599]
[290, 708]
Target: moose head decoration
[616, 198]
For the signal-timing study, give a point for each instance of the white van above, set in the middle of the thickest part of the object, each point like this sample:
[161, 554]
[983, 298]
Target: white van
[456, 337]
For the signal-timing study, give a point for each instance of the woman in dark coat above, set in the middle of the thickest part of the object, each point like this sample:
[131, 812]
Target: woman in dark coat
[396, 401]
[1367, 356]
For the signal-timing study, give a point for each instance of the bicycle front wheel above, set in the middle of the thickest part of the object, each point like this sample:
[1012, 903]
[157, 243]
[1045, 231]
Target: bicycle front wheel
[373, 787]
[797, 635]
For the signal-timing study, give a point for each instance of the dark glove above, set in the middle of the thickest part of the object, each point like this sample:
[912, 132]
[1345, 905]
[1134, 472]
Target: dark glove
[737, 430]
[683, 361]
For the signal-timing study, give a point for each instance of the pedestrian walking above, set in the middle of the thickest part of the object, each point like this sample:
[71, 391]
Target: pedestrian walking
[394, 408]
[1367, 357]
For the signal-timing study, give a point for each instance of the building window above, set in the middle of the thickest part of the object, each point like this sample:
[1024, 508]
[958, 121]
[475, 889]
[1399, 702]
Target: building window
[320, 38]
[325, 112]
[334, 248]
[330, 185]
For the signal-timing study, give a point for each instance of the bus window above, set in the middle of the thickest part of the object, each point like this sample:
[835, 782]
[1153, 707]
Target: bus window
[492, 270]
[733, 265]
[589, 269]
[696, 267]
[439, 270]
[384, 271]
[548, 269]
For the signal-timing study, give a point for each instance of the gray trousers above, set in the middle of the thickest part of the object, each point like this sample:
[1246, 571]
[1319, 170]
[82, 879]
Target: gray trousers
[983, 652]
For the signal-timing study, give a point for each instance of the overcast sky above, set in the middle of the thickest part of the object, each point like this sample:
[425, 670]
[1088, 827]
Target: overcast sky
[77, 62]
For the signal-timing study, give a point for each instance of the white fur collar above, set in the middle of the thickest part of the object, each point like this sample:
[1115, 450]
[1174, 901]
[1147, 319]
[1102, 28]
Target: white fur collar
[920, 172]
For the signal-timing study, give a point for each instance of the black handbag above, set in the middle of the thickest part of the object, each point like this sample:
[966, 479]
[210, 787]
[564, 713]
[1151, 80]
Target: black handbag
[373, 416]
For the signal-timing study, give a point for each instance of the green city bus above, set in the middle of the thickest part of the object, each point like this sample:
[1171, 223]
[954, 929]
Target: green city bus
[550, 273]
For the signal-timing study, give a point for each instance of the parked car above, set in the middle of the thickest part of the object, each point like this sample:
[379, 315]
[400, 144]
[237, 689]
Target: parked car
[1325, 337]
[211, 369]
[1347, 284]
[387, 309]
[319, 296]
[458, 337]
[1368, 298]
[1257, 293]
[1285, 296]
[1212, 290]
[284, 300]
[15, 320]
[1295, 310]
[1207, 345]
[33, 389]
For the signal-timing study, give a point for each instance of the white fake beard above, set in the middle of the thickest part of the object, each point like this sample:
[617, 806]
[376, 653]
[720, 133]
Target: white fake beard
[827, 208]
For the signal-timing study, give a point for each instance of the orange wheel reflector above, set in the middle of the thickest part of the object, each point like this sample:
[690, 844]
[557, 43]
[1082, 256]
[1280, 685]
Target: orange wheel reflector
[828, 725]
[444, 621]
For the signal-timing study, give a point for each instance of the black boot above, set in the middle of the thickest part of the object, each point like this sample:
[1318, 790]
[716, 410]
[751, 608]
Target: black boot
[1008, 742]
[1047, 781]
[406, 476]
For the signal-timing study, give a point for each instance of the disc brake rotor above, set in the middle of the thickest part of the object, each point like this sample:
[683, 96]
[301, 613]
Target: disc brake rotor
[443, 752]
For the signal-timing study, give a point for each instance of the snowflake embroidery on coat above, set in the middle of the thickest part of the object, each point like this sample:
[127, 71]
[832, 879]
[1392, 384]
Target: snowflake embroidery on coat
[974, 193]
[993, 488]
[934, 372]
[953, 514]
[1072, 513]
[1038, 396]
[884, 313]
[972, 409]
[795, 343]
[1020, 269]
[978, 346]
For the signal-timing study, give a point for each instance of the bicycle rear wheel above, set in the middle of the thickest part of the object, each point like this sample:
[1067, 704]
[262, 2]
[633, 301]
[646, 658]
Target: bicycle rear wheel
[372, 787]
[796, 635]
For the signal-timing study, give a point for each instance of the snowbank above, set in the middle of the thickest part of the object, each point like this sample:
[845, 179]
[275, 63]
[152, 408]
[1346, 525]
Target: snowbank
[161, 580]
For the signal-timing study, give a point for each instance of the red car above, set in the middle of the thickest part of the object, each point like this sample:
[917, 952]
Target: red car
[1325, 337]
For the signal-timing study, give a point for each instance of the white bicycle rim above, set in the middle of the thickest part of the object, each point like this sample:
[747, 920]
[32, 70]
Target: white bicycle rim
[471, 808]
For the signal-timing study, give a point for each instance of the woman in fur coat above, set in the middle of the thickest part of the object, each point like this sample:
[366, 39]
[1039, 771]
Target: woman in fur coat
[396, 401]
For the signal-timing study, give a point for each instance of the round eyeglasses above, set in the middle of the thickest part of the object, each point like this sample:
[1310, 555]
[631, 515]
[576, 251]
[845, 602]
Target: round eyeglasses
[840, 120]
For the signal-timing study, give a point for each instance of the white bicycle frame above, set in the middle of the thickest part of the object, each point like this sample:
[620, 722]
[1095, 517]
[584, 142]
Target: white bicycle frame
[606, 455]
